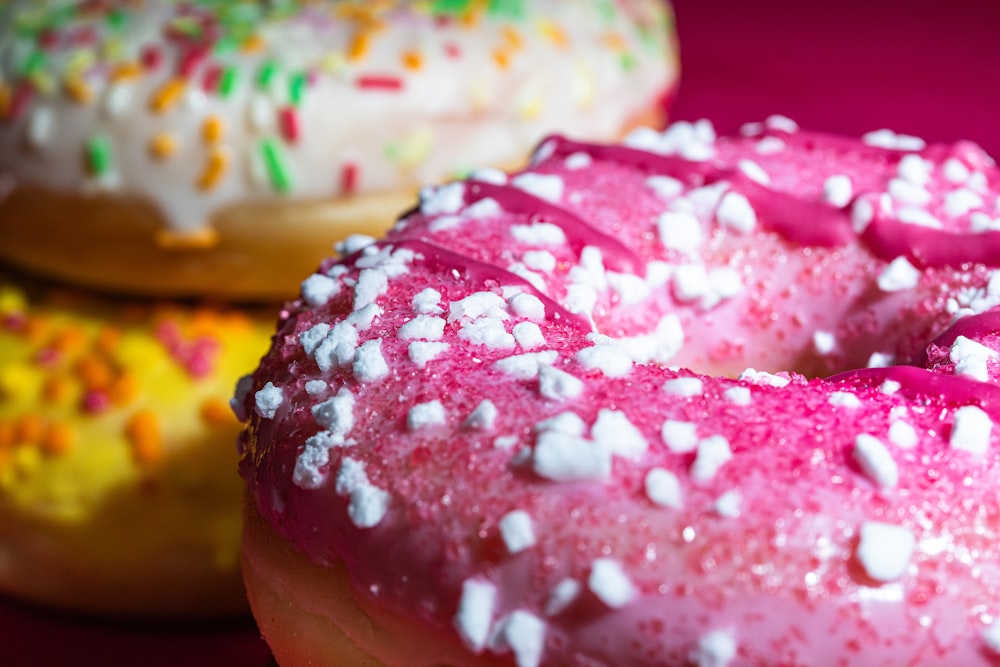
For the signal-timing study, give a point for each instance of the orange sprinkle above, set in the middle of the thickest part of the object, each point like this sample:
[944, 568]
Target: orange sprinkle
[5, 99]
[7, 435]
[35, 328]
[69, 338]
[502, 58]
[614, 41]
[126, 71]
[554, 33]
[216, 412]
[57, 389]
[198, 239]
[123, 390]
[143, 433]
[513, 38]
[412, 60]
[58, 439]
[252, 44]
[215, 169]
[162, 146]
[107, 339]
[95, 372]
[78, 90]
[28, 429]
[168, 95]
[211, 130]
[359, 45]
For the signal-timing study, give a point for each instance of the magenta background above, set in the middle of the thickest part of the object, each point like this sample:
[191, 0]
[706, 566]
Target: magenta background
[920, 67]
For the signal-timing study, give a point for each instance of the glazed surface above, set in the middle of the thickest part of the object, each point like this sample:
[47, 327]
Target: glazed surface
[193, 106]
[553, 414]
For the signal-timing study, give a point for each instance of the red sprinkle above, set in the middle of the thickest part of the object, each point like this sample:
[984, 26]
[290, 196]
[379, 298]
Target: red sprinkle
[19, 100]
[348, 178]
[96, 401]
[379, 82]
[151, 57]
[290, 127]
[452, 50]
[190, 60]
[210, 80]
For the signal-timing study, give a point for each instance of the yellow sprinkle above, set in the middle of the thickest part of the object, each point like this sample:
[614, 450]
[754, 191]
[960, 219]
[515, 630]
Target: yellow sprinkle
[144, 435]
[113, 49]
[216, 412]
[502, 58]
[412, 60]
[530, 108]
[513, 38]
[126, 71]
[359, 45]
[252, 44]
[26, 460]
[167, 95]
[215, 169]
[12, 301]
[553, 33]
[194, 240]
[43, 81]
[211, 130]
[58, 439]
[333, 62]
[162, 146]
[15, 377]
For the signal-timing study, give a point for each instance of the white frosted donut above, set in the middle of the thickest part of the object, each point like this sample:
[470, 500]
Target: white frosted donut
[166, 146]
[512, 431]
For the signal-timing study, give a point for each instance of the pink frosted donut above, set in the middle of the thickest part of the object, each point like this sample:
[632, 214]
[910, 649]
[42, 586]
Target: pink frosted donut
[525, 428]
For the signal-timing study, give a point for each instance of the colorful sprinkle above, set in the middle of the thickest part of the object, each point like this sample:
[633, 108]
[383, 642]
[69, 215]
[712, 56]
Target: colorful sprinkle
[144, 434]
[277, 168]
[162, 146]
[412, 60]
[99, 155]
[168, 95]
[215, 169]
[212, 130]
[379, 82]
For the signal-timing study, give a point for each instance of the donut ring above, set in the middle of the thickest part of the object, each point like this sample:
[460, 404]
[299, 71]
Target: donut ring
[163, 147]
[117, 492]
[480, 441]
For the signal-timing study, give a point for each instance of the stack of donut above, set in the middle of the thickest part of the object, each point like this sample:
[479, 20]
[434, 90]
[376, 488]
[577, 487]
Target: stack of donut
[574, 415]
[215, 152]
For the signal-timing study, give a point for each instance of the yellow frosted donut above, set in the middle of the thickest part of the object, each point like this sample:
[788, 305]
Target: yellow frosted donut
[162, 147]
[118, 490]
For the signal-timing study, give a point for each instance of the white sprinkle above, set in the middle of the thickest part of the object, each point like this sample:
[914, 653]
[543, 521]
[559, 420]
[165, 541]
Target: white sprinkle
[371, 284]
[448, 198]
[684, 386]
[715, 649]
[39, 131]
[891, 140]
[539, 260]
[424, 415]
[630, 288]
[959, 202]
[580, 299]
[117, 99]
[680, 437]
[368, 506]
[880, 360]
[838, 190]
[353, 243]
[664, 489]
[971, 430]
[421, 352]
[363, 318]
[488, 175]
[862, 214]
[738, 395]
[427, 302]
[484, 209]
[476, 305]
[268, 399]
[516, 531]
[610, 584]
[736, 213]
[524, 633]
[577, 161]
[569, 423]
[528, 306]
[317, 289]
[337, 347]
[769, 146]
[525, 366]
[844, 399]
[505, 441]
[475, 613]
[616, 432]
[781, 123]
[681, 231]
[729, 504]
[545, 186]
[824, 342]
[664, 187]
[713, 453]
[314, 455]
[908, 193]
[483, 417]
[558, 385]
[528, 335]
[424, 327]
[610, 359]
[753, 171]
[885, 550]
[336, 414]
[915, 169]
[763, 378]
[690, 282]
[315, 387]
[562, 596]
[955, 171]
[902, 434]
[971, 358]
[369, 364]
[890, 387]
[489, 332]
[566, 458]
[918, 216]
[898, 275]
[875, 461]
[261, 112]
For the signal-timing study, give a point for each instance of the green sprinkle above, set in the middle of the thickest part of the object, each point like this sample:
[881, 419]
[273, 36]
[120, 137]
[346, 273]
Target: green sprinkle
[265, 75]
[511, 9]
[227, 81]
[99, 155]
[116, 18]
[627, 61]
[297, 88]
[607, 10]
[277, 170]
[35, 62]
[226, 43]
[440, 7]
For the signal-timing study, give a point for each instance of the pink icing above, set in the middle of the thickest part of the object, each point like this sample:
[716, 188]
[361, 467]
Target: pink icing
[802, 521]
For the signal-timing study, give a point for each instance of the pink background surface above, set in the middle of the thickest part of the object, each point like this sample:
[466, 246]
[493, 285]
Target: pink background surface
[920, 67]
